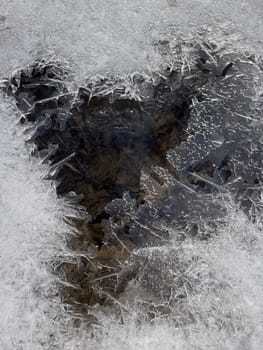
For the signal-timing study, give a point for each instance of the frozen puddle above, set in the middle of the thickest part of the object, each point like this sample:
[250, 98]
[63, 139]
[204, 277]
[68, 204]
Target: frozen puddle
[207, 284]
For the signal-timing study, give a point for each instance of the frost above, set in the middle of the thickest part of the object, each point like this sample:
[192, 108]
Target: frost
[201, 286]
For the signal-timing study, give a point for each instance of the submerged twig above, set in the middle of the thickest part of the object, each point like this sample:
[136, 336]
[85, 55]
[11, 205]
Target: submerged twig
[5, 28]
